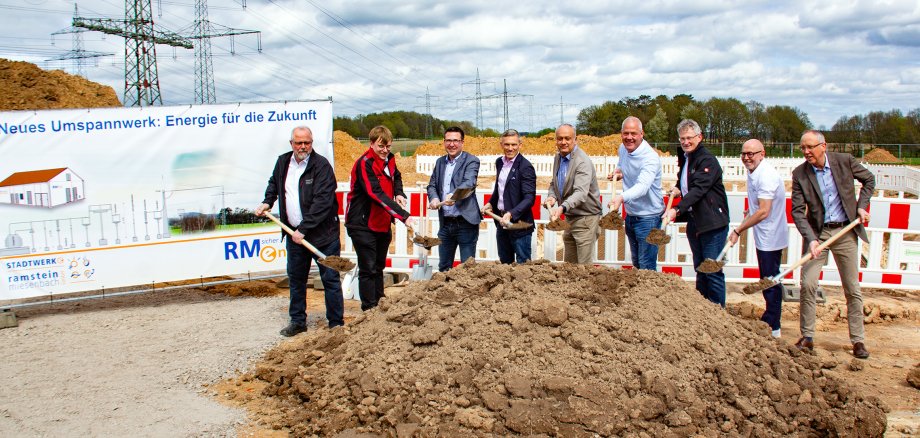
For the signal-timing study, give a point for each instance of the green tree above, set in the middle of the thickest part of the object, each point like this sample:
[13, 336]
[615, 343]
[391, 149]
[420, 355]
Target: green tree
[785, 124]
[727, 119]
[656, 130]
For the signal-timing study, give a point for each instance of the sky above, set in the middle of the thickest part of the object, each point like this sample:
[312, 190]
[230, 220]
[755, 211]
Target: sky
[828, 58]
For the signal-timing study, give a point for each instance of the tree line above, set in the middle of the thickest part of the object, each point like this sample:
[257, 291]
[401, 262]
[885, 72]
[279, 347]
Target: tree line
[722, 120]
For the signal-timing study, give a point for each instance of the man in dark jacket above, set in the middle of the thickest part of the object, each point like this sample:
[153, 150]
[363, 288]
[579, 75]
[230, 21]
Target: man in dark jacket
[305, 183]
[703, 206]
[512, 199]
[376, 198]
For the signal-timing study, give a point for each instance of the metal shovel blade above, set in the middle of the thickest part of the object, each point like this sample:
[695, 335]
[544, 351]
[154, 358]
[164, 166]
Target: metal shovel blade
[462, 193]
[421, 272]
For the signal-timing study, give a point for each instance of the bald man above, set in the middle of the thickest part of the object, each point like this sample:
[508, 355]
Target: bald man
[573, 191]
[766, 193]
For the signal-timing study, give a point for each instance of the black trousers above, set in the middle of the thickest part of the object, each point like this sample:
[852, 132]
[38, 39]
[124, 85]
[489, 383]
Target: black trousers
[371, 248]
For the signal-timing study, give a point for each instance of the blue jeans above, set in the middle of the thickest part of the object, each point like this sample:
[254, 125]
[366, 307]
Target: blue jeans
[510, 247]
[704, 246]
[456, 231]
[298, 266]
[768, 263]
[644, 254]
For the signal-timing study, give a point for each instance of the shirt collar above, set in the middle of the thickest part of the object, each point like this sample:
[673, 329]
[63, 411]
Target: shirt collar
[302, 163]
[452, 161]
[511, 161]
[827, 164]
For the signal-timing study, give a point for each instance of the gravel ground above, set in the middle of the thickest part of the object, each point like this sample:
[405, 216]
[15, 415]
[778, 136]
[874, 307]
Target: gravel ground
[143, 370]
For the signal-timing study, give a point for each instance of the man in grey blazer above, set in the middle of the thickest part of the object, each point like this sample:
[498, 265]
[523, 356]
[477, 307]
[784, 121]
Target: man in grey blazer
[573, 191]
[459, 220]
[823, 202]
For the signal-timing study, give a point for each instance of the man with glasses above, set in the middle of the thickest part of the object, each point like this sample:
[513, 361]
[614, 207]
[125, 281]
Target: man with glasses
[375, 200]
[823, 202]
[766, 193]
[574, 189]
[512, 199]
[459, 219]
[304, 181]
[703, 205]
[640, 168]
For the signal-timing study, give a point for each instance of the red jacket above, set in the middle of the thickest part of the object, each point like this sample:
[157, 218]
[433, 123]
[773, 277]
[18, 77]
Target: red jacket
[370, 203]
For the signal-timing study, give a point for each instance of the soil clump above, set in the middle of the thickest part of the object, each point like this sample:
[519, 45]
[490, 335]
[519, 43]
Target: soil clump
[552, 350]
[558, 225]
[612, 221]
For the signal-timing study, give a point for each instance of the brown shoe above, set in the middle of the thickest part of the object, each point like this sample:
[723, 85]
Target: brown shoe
[805, 344]
[859, 351]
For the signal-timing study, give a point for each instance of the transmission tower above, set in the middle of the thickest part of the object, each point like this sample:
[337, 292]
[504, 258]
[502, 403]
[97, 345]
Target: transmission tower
[477, 97]
[429, 132]
[504, 95]
[76, 53]
[142, 83]
[202, 31]
[562, 107]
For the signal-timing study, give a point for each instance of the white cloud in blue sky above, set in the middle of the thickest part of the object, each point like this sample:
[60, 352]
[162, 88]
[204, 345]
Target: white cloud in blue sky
[828, 58]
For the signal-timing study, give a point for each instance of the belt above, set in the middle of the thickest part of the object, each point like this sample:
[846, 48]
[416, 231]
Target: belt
[453, 218]
[835, 224]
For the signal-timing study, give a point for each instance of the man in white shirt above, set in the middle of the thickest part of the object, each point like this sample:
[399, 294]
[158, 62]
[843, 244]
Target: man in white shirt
[767, 215]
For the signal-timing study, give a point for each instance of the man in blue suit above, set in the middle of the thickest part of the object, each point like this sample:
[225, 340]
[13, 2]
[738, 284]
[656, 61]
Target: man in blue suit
[512, 199]
[459, 219]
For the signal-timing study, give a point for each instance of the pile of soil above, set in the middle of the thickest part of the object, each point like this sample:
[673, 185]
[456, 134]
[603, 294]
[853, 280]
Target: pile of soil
[27, 87]
[881, 156]
[545, 145]
[347, 149]
[540, 349]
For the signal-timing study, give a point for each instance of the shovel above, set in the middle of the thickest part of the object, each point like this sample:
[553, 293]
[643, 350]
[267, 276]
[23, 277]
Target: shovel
[710, 266]
[457, 195]
[658, 236]
[768, 282]
[510, 225]
[340, 264]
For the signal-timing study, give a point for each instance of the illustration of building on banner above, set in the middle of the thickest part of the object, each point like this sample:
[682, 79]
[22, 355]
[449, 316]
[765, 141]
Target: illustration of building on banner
[47, 188]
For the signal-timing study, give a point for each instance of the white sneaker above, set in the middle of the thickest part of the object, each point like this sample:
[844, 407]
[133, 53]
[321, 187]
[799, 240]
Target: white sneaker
[776, 333]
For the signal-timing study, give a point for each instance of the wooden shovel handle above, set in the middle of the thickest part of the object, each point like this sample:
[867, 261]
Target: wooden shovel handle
[288, 230]
[667, 218]
[821, 247]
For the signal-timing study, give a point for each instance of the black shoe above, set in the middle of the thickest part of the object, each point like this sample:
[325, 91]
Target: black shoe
[859, 351]
[293, 329]
[805, 344]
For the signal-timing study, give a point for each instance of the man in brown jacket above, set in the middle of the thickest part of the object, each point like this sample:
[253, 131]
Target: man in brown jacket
[823, 202]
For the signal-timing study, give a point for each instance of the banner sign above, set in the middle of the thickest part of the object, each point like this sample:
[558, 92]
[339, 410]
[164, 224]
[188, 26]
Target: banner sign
[114, 197]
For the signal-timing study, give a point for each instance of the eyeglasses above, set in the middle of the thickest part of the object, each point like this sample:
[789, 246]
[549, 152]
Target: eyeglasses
[301, 143]
[750, 154]
[451, 140]
[808, 147]
[385, 146]
[689, 138]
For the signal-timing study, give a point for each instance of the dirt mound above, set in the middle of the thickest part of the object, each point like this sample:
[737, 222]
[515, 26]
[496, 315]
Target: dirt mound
[246, 289]
[562, 350]
[545, 145]
[27, 87]
[879, 155]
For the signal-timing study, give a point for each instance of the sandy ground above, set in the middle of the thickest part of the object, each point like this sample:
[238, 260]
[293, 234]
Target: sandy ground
[144, 364]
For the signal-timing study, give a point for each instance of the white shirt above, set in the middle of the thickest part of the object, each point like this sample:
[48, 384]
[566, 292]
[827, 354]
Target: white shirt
[503, 179]
[772, 233]
[291, 192]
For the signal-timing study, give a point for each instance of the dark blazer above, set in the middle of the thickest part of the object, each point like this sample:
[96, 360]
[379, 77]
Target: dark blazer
[318, 205]
[705, 191]
[807, 206]
[464, 176]
[519, 195]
